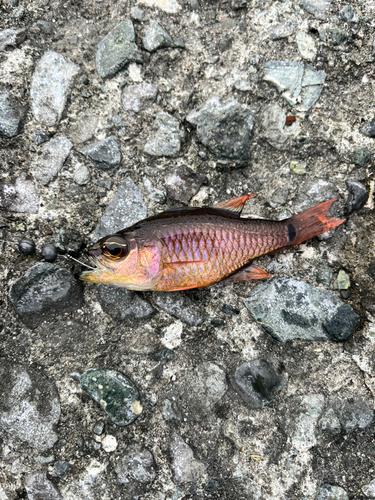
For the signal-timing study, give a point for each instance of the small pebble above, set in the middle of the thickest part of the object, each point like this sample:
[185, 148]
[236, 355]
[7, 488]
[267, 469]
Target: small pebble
[109, 443]
[49, 253]
[26, 246]
[61, 468]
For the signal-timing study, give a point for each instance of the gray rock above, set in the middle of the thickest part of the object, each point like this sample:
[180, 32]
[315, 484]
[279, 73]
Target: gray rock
[11, 38]
[287, 77]
[137, 14]
[281, 30]
[362, 156]
[306, 46]
[330, 422]
[369, 129]
[38, 487]
[369, 489]
[185, 467]
[279, 197]
[53, 158]
[288, 309]
[82, 175]
[203, 388]
[136, 470]
[61, 468]
[318, 8]
[273, 129]
[179, 306]
[154, 193]
[45, 27]
[50, 87]
[168, 413]
[98, 428]
[354, 413]
[117, 49]
[304, 435]
[12, 115]
[20, 196]
[337, 36]
[258, 382]
[116, 394]
[84, 128]
[122, 304]
[357, 196]
[312, 193]
[125, 209]
[137, 97]
[104, 154]
[225, 128]
[328, 492]
[29, 405]
[44, 291]
[183, 184]
[40, 137]
[295, 80]
[168, 137]
[348, 14]
[157, 38]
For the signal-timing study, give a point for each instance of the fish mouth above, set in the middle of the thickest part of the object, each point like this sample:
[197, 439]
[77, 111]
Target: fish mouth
[100, 272]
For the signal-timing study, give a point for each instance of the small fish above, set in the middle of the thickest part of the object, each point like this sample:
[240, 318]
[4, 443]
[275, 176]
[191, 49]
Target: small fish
[196, 247]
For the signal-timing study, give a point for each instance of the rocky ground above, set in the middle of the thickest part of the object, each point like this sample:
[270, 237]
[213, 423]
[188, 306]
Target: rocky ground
[111, 111]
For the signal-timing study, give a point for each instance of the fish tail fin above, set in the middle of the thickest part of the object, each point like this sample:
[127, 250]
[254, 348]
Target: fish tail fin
[311, 223]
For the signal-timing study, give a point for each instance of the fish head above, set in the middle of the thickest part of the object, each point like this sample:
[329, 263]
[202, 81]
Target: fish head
[124, 261]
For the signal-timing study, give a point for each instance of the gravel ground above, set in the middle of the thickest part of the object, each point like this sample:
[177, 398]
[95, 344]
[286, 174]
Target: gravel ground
[111, 111]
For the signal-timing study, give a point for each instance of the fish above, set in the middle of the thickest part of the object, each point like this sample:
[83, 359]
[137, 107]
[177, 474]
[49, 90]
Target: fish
[195, 247]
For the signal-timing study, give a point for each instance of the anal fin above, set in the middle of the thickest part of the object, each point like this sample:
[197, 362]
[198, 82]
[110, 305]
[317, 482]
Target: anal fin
[249, 273]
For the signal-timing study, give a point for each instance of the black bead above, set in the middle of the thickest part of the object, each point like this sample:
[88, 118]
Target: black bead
[49, 253]
[26, 246]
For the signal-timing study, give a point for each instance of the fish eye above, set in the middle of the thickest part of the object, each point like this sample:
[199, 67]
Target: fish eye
[115, 248]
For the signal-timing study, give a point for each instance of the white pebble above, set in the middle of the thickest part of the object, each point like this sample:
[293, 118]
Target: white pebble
[109, 443]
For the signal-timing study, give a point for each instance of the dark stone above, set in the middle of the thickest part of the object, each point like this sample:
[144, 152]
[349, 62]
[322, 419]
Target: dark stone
[362, 156]
[258, 382]
[371, 269]
[26, 246]
[40, 137]
[44, 291]
[357, 196]
[104, 154]
[225, 128]
[116, 394]
[183, 184]
[343, 323]
[347, 14]
[49, 253]
[179, 306]
[69, 240]
[368, 303]
[337, 36]
[212, 485]
[228, 309]
[117, 49]
[123, 304]
[369, 129]
[12, 115]
[164, 355]
[61, 468]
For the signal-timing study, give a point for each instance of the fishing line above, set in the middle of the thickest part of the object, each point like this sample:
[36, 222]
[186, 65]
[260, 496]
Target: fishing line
[76, 260]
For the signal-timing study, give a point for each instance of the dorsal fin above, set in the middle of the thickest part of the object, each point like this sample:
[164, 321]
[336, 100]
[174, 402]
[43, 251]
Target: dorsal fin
[234, 205]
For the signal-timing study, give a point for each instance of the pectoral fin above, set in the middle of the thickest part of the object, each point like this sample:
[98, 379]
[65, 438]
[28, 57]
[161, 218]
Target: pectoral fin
[250, 273]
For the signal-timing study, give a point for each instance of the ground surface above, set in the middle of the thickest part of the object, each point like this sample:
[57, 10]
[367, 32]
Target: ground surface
[308, 431]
